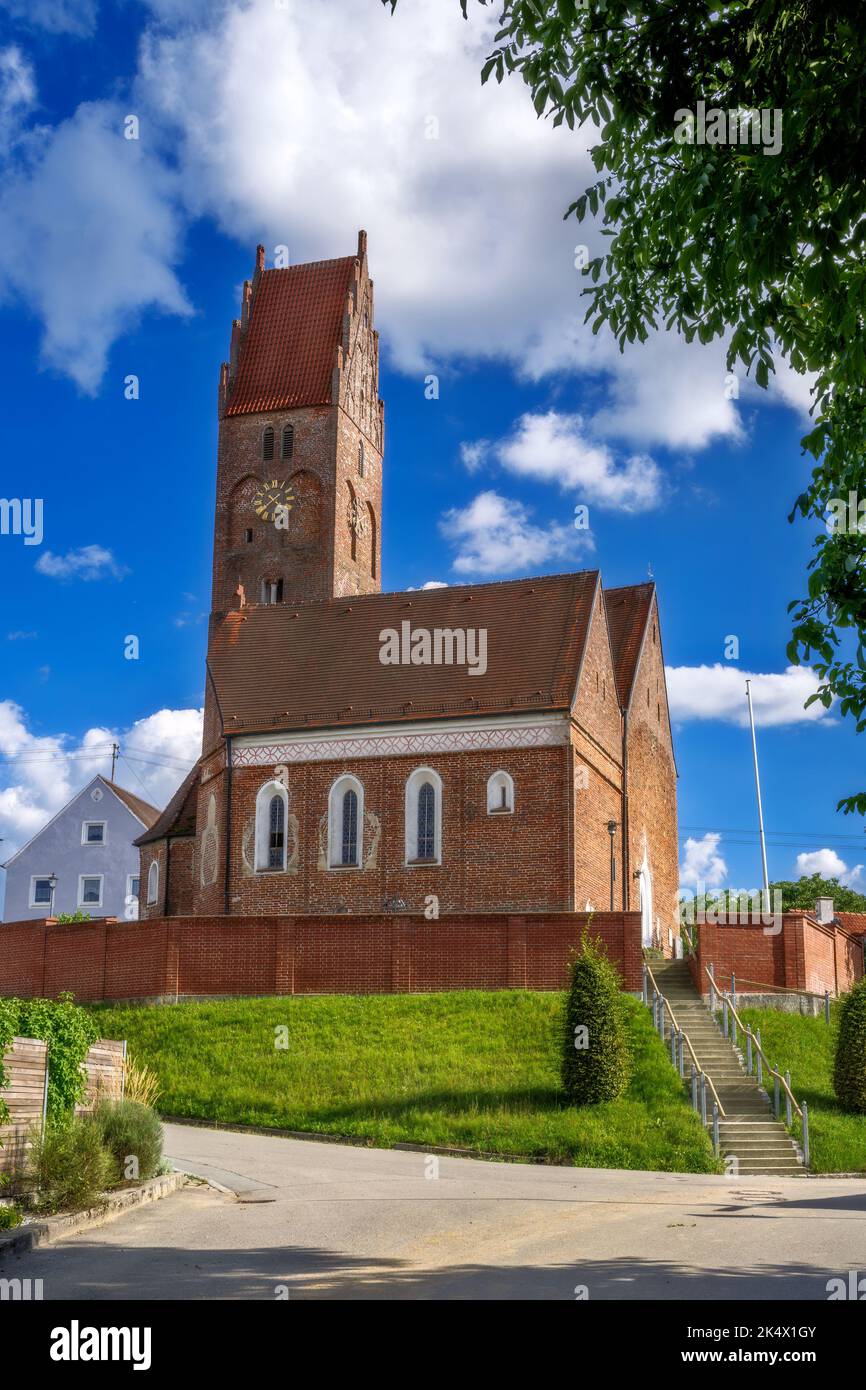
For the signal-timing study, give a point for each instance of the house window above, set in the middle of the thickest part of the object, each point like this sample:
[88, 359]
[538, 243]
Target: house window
[272, 805]
[133, 886]
[345, 823]
[153, 883]
[500, 794]
[288, 441]
[424, 817]
[90, 890]
[272, 591]
[277, 833]
[93, 832]
[40, 892]
[268, 444]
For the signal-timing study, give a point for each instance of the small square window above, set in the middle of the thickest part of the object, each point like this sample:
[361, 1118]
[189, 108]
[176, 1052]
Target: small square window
[93, 832]
[90, 890]
[40, 892]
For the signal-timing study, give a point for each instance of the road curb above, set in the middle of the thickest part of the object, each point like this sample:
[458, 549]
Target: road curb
[25, 1238]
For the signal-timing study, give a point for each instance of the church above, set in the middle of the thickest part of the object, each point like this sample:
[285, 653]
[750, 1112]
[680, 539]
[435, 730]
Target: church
[478, 748]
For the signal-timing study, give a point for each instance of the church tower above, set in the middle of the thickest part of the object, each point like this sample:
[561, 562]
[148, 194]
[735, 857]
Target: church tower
[299, 473]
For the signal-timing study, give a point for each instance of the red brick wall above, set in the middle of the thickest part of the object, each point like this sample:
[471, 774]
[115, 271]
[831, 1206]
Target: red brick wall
[652, 787]
[501, 862]
[307, 955]
[804, 955]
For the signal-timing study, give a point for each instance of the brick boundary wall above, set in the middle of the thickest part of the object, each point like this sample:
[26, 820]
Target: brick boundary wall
[804, 955]
[364, 954]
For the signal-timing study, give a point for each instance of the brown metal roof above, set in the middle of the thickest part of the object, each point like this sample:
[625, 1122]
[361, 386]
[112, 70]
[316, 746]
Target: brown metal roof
[628, 609]
[146, 813]
[288, 352]
[179, 816]
[286, 666]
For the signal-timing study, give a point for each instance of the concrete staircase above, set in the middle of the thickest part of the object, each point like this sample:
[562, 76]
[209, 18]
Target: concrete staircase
[749, 1131]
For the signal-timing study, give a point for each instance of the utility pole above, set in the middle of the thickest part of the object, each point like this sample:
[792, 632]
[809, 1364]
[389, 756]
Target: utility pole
[115, 749]
[760, 808]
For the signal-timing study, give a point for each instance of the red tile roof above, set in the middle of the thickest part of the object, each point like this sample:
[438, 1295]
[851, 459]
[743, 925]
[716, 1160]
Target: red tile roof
[852, 921]
[146, 813]
[288, 352]
[628, 609]
[179, 816]
[289, 666]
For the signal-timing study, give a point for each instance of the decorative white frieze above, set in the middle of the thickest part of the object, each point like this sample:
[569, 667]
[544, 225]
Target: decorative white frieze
[307, 749]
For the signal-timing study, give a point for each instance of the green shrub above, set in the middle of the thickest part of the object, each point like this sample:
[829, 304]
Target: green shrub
[130, 1130]
[69, 1031]
[70, 1166]
[849, 1069]
[595, 1059]
[10, 1216]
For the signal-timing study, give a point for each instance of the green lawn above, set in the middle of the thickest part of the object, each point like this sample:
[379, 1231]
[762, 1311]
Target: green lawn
[806, 1047]
[476, 1070]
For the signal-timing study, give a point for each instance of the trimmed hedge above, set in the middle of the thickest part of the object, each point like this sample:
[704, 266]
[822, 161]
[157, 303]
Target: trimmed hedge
[596, 1064]
[849, 1069]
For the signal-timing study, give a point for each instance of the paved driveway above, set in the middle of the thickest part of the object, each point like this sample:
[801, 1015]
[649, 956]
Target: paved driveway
[319, 1220]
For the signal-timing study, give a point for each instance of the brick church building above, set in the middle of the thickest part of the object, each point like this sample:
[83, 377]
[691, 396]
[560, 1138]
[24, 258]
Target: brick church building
[499, 747]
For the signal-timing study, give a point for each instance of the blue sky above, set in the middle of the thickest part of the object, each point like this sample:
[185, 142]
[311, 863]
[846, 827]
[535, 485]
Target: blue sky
[287, 125]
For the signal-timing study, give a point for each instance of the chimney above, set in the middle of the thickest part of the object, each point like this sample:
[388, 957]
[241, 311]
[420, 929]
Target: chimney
[260, 258]
[362, 247]
[824, 911]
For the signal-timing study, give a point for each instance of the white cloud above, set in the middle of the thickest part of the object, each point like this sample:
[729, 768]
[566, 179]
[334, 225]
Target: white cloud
[56, 16]
[88, 562]
[494, 535]
[17, 91]
[294, 124]
[556, 448]
[827, 863]
[719, 692]
[88, 236]
[702, 865]
[44, 771]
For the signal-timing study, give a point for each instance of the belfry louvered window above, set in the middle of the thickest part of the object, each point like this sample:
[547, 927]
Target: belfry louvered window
[426, 822]
[268, 444]
[349, 846]
[276, 833]
[288, 441]
[361, 461]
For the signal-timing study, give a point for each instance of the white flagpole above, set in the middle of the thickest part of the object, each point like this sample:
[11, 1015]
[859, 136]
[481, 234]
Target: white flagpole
[760, 808]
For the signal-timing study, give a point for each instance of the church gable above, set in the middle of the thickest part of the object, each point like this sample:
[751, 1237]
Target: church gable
[596, 709]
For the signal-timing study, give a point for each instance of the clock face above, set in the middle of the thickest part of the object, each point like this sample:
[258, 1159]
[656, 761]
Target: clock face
[356, 518]
[270, 496]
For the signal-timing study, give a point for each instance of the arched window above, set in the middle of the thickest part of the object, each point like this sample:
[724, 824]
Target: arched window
[288, 441]
[360, 458]
[500, 794]
[272, 591]
[272, 804]
[268, 443]
[153, 883]
[346, 823]
[424, 817]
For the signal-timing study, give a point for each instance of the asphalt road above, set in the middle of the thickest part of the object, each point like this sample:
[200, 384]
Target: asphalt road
[318, 1220]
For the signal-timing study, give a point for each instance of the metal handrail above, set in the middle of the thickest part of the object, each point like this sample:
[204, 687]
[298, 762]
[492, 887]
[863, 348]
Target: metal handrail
[780, 1080]
[685, 1036]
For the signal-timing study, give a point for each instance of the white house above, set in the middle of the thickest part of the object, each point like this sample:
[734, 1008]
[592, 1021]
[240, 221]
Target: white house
[83, 860]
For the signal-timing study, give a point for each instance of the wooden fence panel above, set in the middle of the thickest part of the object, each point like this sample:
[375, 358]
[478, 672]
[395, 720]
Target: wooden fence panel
[25, 1065]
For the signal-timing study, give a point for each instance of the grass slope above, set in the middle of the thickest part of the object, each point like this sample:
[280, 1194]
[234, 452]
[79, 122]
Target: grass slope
[476, 1070]
[806, 1047]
